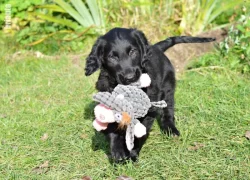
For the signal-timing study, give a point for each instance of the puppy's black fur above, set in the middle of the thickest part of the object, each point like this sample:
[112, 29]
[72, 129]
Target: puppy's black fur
[123, 55]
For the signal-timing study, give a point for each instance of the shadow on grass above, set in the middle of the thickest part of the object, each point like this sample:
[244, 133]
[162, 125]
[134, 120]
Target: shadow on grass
[89, 110]
[99, 141]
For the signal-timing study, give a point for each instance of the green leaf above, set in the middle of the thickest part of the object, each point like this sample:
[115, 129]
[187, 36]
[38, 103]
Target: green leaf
[72, 12]
[223, 7]
[234, 63]
[93, 6]
[84, 12]
[247, 35]
[52, 7]
[57, 20]
[241, 28]
[248, 23]
[246, 69]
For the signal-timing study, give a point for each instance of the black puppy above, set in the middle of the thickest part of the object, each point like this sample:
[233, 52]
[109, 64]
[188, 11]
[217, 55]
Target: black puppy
[123, 55]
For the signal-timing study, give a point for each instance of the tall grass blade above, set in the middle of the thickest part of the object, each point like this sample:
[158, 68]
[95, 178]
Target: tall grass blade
[72, 12]
[102, 4]
[169, 8]
[93, 6]
[52, 7]
[57, 20]
[223, 7]
[83, 11]
[206, 9]
[198, 14]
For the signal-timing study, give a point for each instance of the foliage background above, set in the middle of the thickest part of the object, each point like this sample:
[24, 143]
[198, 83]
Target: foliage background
[61, 24]
[45, 99]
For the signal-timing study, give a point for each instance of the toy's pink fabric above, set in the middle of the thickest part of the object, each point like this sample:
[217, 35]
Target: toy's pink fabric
[104, 116]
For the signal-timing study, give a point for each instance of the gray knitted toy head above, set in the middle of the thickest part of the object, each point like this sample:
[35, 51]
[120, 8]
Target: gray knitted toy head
[124, 105]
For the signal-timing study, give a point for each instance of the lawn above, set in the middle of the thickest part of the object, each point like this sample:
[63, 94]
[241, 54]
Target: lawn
[46, 126]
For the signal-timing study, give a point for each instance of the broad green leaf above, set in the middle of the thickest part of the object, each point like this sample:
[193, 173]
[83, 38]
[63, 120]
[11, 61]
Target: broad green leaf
[83, 11]
[72, 12]
[241, 28]
[101, 6]
[93, 6]
[57, 20]
[223, 7]
[52, 7]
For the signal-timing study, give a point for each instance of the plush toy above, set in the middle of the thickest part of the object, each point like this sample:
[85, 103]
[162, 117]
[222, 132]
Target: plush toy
[124, 106]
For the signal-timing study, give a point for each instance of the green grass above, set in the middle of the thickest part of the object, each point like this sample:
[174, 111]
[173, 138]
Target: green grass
[54, 97]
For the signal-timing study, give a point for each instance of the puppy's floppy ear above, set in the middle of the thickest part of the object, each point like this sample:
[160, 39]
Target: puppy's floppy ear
[142, 43]
[93, 61]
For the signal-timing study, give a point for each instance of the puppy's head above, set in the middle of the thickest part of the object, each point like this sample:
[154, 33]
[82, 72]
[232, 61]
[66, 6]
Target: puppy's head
[121, 52]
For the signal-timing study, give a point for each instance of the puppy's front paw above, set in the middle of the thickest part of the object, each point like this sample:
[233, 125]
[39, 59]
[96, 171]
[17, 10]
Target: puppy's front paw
[119, 156]
[134, 155]
[171, 130]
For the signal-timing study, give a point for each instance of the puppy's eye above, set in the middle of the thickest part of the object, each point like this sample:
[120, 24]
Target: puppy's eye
[132, 52]
[113, 58]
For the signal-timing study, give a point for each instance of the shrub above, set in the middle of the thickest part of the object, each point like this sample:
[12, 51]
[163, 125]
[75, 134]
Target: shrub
[19, 13]
[197, 15]
[238, 43]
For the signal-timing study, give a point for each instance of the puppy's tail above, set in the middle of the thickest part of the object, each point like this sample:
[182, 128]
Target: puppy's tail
[171, 41]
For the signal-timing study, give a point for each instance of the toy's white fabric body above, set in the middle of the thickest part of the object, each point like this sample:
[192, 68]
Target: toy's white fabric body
[124, 105]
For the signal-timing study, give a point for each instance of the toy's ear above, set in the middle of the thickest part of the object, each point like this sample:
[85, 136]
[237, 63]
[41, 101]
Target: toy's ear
[142, 43]
[94, 60]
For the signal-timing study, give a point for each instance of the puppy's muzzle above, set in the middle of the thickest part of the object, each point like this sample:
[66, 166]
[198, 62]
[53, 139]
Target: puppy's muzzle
[130, 77]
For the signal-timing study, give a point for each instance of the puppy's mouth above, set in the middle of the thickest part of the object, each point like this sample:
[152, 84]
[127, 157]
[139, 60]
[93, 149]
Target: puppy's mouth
[126, 81]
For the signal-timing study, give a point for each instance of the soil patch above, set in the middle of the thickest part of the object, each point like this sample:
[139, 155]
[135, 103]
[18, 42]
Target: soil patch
[181, 54]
